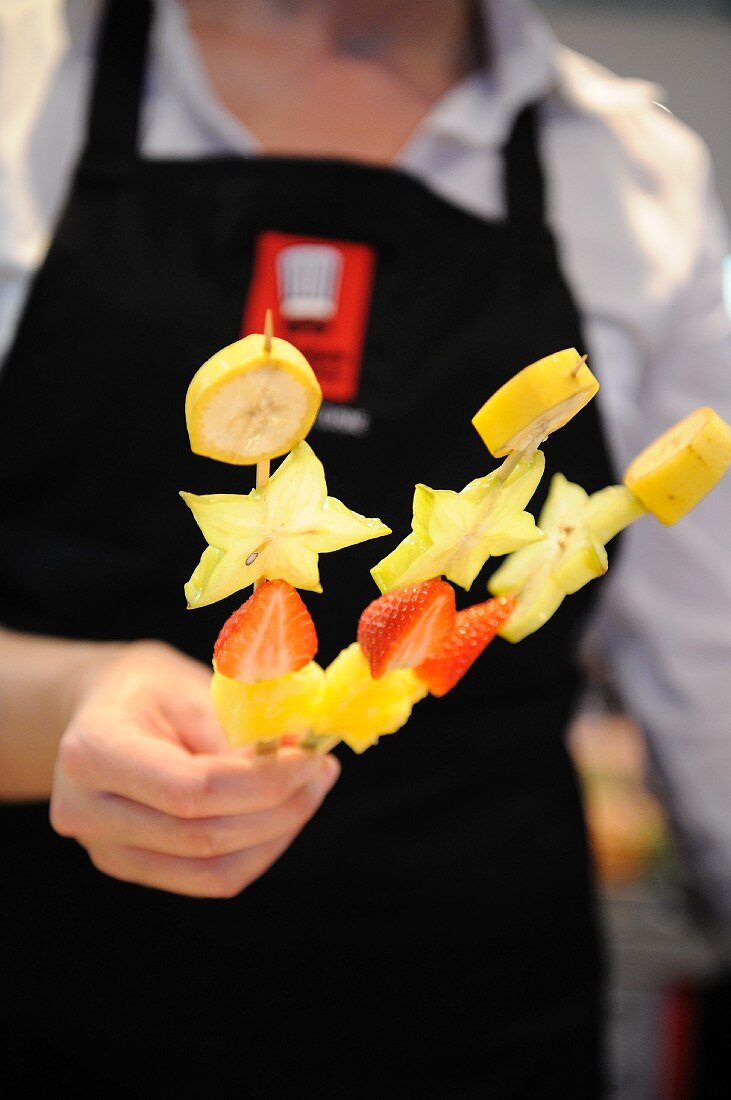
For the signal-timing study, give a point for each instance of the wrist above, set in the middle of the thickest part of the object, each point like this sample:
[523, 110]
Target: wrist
[86, 664]
[42, 683]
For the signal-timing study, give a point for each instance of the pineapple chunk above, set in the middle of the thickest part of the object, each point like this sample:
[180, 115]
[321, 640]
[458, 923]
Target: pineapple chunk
[268, 709]
[359, 709]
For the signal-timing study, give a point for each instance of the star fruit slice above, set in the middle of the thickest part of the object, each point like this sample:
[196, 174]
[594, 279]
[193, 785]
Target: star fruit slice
[453, 534]
[275, 533]
[576, 526]
[359, 709]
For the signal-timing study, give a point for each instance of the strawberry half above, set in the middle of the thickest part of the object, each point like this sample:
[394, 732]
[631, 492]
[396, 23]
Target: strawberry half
[474, 628]
[402, 628]
[270, 635]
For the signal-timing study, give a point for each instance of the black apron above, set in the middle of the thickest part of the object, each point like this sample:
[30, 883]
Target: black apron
[431, 932]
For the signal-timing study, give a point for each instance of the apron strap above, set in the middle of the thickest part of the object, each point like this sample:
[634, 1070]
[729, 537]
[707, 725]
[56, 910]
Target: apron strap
[121, 60]
[524, 182]
[113, 123]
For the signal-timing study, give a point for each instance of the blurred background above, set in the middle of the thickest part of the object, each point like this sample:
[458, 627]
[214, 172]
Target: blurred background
[670, 998]
[670, 1001]
[682, 45]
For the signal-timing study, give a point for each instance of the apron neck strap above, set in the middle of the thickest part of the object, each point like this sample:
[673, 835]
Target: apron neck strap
[524, 183]
[117, 94]
[117, 90]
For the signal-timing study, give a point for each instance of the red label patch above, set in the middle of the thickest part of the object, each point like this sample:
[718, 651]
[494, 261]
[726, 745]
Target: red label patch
[319, 292]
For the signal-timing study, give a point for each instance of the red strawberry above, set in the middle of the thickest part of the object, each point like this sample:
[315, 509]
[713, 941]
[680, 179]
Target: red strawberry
[401, 629]
[270, 635]
[474, 628]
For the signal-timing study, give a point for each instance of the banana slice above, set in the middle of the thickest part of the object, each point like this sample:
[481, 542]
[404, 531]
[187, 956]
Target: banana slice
[535, 402]
[247, 404]
[675, 472]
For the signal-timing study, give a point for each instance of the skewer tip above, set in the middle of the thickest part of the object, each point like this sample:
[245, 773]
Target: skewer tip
[579, 364]
[268, 330]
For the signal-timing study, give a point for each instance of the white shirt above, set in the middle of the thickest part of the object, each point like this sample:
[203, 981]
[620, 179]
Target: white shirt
[641, 239]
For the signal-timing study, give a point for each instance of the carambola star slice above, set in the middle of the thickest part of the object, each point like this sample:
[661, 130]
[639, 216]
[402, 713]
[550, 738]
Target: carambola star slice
[453, 534]
[277, 532]
[576, 526]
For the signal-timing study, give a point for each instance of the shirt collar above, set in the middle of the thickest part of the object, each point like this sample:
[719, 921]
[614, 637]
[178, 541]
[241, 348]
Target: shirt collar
[527, 63]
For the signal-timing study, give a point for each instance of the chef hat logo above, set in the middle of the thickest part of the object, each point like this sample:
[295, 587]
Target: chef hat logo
[308, 277]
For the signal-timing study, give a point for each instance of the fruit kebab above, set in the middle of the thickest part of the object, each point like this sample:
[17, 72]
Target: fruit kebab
[412, 640]
[408, 628]
[263, 466]
[254, 401]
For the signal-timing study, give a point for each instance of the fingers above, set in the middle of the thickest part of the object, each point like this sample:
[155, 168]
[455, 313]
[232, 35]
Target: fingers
[216, 877]
[165, 777]
[191, 715]
[110, 821]
[146, 783]
[163, 688]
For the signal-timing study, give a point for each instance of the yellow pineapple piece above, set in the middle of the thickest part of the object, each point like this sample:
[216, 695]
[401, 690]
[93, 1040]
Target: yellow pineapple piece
[675, 472]
[359, 709]
[535, 402]
[269, 709]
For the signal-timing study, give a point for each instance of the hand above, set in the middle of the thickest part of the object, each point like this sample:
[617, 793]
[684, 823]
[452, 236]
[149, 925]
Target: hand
[147, 783]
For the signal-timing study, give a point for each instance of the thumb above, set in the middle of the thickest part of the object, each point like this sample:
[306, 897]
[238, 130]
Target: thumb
[200, 731]
[194, 720]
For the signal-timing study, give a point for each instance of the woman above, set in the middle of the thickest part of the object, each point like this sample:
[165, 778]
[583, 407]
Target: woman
[431, 931]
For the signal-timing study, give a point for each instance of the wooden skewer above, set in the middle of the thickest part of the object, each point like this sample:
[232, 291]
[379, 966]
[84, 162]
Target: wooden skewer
[505, 470]
[268, 331]
[262, 473]
[579, 365]
[263, 468]
[320, 743]
[262, 477]
[263, 748]
[326, 745]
